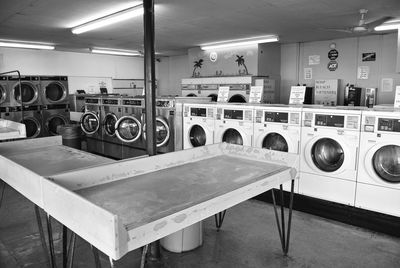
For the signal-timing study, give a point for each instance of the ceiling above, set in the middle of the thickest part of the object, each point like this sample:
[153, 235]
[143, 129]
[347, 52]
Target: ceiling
[182, 24]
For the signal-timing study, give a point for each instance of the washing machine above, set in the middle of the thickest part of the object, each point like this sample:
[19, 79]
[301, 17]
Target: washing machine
[91, 124]
[278, 127]
[128, 128]
[239, 93]
[4, 92]
[54, 115]
[378, 180]
[329, 152]
[198, 124]
[234, 124]
[30, 90]
[111, 111]
[54, 89]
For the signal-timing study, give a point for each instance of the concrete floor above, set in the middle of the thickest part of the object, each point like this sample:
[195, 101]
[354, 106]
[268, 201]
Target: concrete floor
[248, 238]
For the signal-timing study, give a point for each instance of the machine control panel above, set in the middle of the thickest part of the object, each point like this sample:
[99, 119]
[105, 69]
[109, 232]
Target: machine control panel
[201, 112]
[329, 120]
[389, 124]
[276, 117]
[233, 114]
[132, 102]
[164, 104]
[93, 101]
[110, 101]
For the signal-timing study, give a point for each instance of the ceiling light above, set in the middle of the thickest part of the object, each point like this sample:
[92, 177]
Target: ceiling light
[116, 52]
[109, 19]
[240, 42]
[394, 25]
[26, 45]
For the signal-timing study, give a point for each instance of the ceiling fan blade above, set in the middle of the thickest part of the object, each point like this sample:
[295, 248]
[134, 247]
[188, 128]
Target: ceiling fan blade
[373, 24]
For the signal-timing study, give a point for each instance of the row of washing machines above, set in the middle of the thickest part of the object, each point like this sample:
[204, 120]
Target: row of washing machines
[40, 102]
[348, 155]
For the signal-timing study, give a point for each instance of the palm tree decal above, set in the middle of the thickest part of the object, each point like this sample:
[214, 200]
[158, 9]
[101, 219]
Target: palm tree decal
[197, 65]
[240, 62]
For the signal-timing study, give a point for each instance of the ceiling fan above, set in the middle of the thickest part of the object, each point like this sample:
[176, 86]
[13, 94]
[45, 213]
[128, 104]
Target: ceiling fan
[363, 26]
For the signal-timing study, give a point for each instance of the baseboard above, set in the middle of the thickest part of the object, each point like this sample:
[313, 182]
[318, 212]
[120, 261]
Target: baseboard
[371, 220]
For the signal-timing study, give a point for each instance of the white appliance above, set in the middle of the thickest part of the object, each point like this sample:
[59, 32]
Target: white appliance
[278, 128]
[329, 151]
[198, 124]
[378, 180]
[234, 124]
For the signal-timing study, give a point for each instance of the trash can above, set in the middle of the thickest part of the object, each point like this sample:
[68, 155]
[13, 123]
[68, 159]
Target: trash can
[71, 135]
[186, 239]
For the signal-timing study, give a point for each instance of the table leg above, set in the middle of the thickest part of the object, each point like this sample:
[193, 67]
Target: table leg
[51, 244]
[3, 184]
[41, 234]
[96, 257]
[71, 250]
[281, 223]
[65, 245]
[144, 253]
[219, 219]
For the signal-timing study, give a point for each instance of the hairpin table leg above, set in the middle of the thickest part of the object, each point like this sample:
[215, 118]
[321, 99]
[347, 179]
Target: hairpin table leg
[96, 257]
[51, 244]
[219, 219]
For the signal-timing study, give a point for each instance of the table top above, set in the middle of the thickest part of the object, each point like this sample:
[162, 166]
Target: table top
[148, 197]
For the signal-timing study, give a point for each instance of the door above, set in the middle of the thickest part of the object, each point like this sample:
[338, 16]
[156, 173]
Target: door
[327, 154]
[163, 132]
[55, 92]
[109, 123]
[90, 123]
[27, 93]
[233, 136]
[275, 141]
[32, 126]
[54, 122]
[128, 129]
[197, 136]
[386, 163]
[3, 94]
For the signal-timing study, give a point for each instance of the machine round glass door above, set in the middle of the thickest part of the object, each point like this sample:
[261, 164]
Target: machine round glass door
[237, 98]
[197, 136]
[29, 93]
[128, 129]
[55, 92]
[386, 163]
[214, 97]
[109, 124]
[162, 132]
[327, 154]
[53, 123]
[90, 123]
[232, 136]
[32, 126]
[275, 141]
[3, 94]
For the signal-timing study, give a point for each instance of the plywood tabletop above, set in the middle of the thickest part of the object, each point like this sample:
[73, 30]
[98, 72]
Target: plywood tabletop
[145, 198]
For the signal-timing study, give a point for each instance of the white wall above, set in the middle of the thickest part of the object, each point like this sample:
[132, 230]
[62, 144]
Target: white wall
[170, 72]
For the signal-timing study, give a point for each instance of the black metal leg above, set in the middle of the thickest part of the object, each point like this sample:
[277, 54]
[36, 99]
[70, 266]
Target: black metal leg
[144, 254]
[3, 187]
[71, 250]
[219, 219]
[96, 257]
[281, 223]
[41, 234]
[65, 246]
[51, 244]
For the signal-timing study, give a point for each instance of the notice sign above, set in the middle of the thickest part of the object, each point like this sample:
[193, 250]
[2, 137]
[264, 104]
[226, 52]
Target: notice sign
[326, 92]
[256, 94]
[297, 94]
[223, 94]
[397, 98]
[307, 73]
[370, 56]
[363, 72]
[314, 59]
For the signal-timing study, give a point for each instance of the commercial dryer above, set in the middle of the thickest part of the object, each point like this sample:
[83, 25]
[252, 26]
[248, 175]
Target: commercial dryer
[54, 89]
[28, 92]
[54, 116]
[111, 111]
[90, 124]
[4, 92]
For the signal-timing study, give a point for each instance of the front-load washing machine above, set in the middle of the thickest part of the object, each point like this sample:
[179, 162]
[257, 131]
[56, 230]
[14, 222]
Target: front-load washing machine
[90, 124]
[111, 111]
[128, 127]
[329, 151]
[54, 89]
[378, 180]
[4, 92]
[234, 124]
[278, 127]
[27, 91]
[54, 116]
[32, 118]
[198, 124]
[239, 93]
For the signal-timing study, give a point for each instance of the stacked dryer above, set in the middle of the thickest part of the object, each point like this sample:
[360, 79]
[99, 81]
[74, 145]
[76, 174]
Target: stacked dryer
[278, 128]
[55, 103]
[378, 180]
[329, 152]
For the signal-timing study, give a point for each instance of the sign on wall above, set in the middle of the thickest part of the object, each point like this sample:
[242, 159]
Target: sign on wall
[314, 60]
[297, 94]
[332, 65]
[333, 54]
[326, 92]
[223, 94]
[363, 72]
[307, 73]
[369, 56]
[256, 94]
[397, 97]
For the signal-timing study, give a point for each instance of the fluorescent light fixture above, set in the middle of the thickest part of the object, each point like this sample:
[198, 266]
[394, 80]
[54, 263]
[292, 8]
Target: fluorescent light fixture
[393, 25]
[109, 19]
[240, 42]
[26, 45]
[115, 52]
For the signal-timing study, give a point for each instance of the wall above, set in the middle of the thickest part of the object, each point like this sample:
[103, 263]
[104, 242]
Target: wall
[170, 72]
[349, 59]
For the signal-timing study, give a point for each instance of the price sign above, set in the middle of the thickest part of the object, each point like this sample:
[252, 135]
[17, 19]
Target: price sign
[397, 97]
[256, 94]
[223, 94]
[297, 94]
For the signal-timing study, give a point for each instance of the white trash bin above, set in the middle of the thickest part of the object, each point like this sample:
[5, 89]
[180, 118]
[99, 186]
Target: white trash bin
[186, 239]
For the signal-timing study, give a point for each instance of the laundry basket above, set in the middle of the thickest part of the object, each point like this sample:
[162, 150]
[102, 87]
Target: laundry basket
[71, 135]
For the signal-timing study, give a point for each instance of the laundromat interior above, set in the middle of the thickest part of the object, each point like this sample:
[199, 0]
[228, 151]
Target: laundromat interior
[200, 133]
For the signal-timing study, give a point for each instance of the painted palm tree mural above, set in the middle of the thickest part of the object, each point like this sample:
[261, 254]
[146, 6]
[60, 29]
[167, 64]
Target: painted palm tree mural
[197, 65]
[240, 62]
